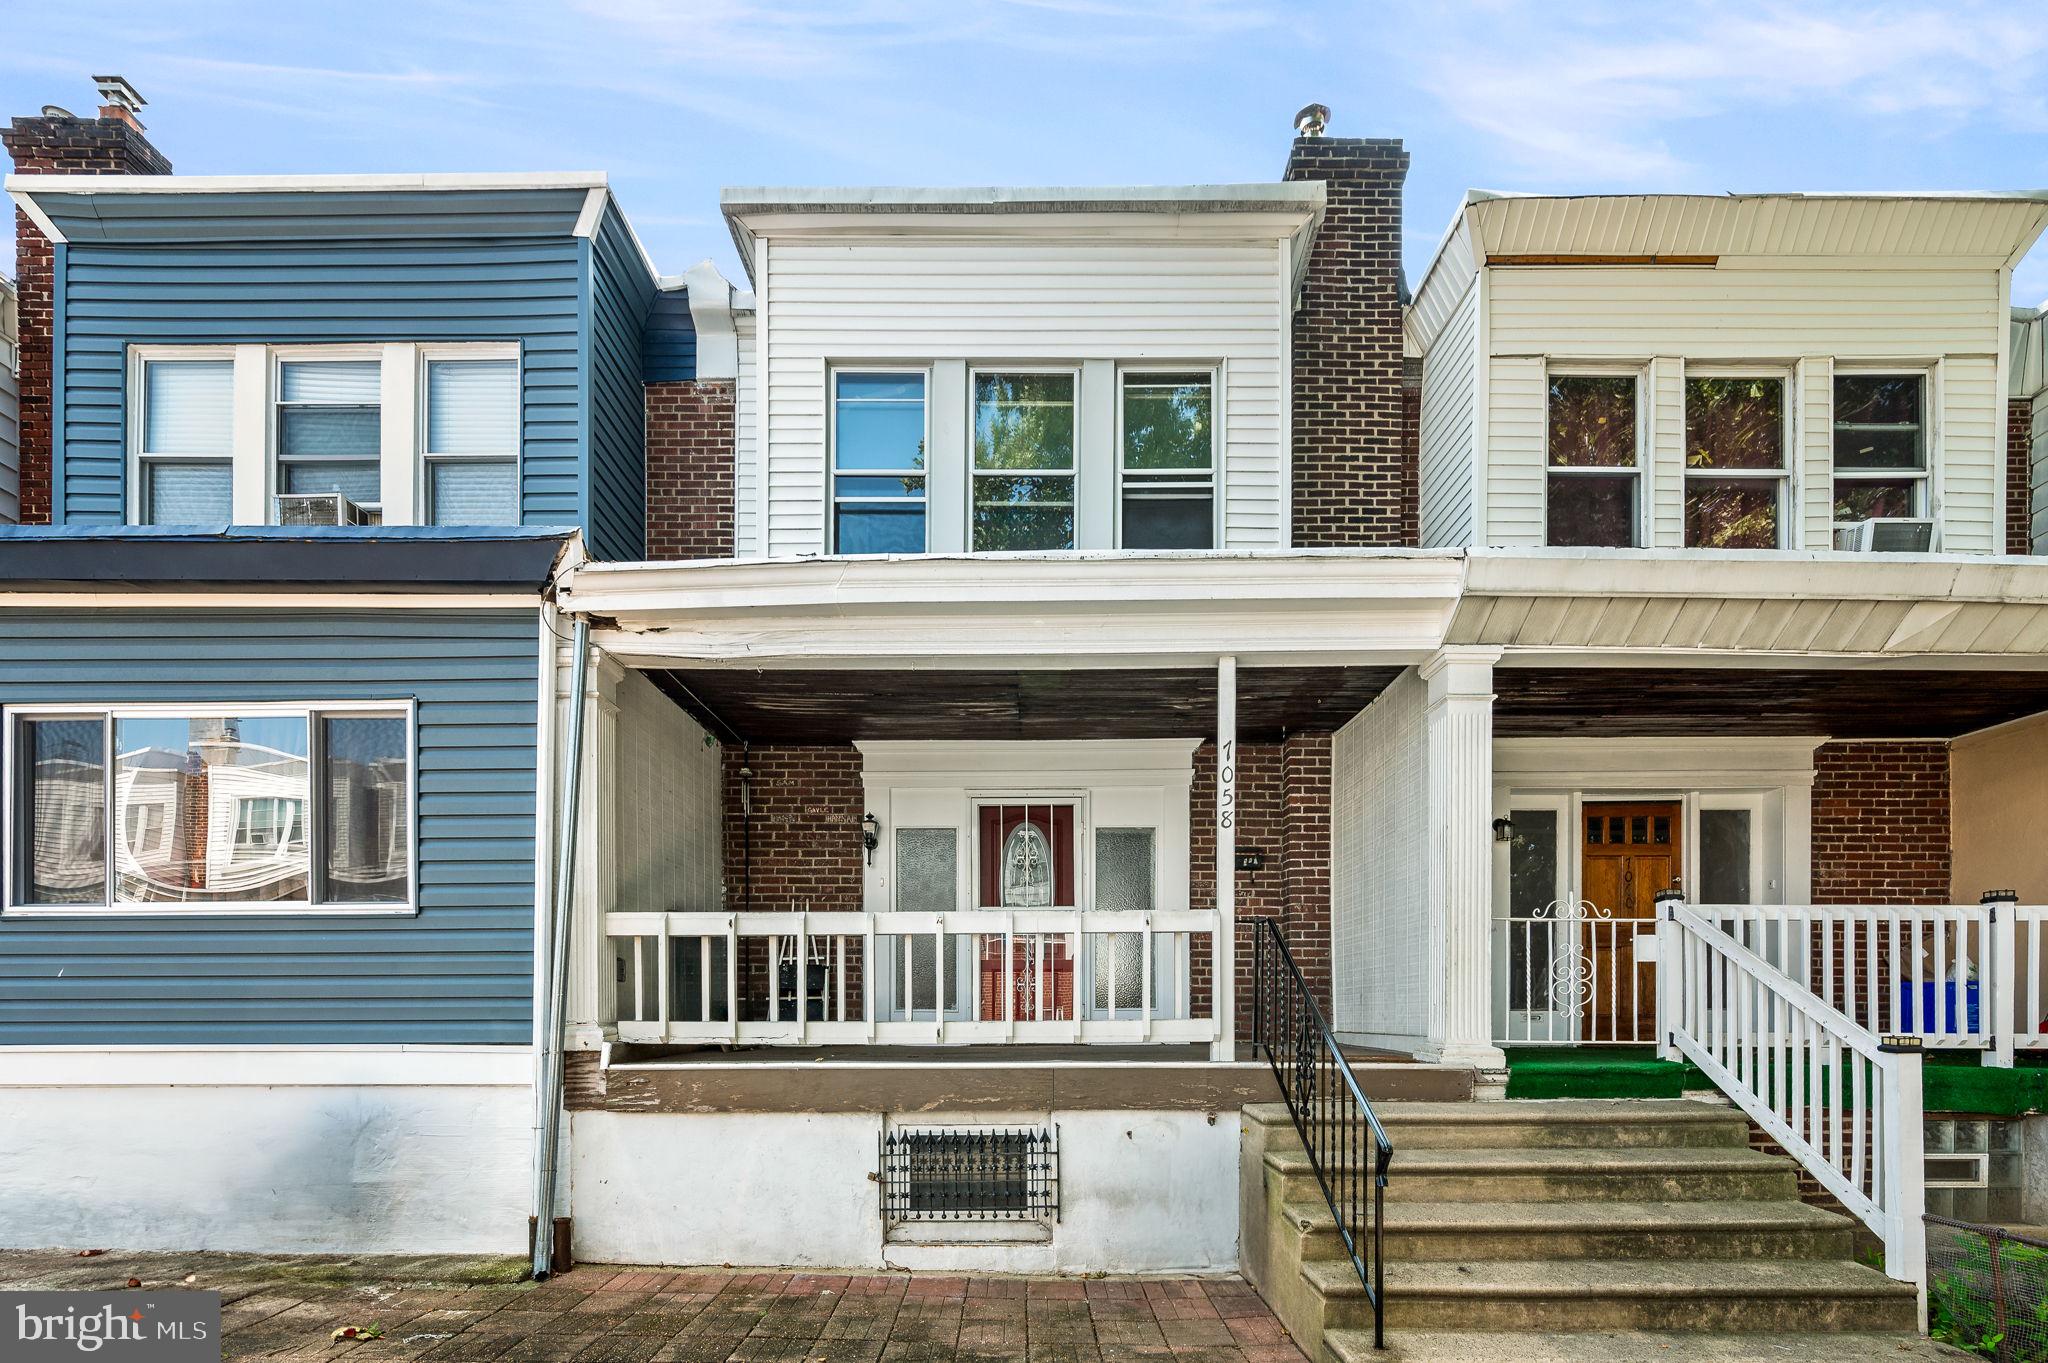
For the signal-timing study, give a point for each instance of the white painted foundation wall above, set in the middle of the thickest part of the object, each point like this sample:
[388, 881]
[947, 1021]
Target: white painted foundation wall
[1140, 1192]
[233, 1163]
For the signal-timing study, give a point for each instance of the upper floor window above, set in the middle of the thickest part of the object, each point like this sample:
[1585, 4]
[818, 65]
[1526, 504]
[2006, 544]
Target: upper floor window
[472, 447]
[330, 429]
[185, 463]
[1023, 469]
[1168, 469]
[1735, 470]
[213, 809]
[1880, 446]
[1593, 485]
[878, 462]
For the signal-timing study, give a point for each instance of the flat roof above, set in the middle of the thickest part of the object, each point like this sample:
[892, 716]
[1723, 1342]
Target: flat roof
[1233, 198]
[300, 184]
[285, 559]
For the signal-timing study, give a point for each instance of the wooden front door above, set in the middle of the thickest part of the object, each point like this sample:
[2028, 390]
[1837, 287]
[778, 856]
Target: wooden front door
[1627, 854]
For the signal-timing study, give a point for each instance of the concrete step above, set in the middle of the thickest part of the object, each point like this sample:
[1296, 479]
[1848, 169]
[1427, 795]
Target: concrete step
[1632, 1346]
[1619, 1294]
[1566, 1124]
[1421, 1232]
[1690, 1174]
[1386, 1081]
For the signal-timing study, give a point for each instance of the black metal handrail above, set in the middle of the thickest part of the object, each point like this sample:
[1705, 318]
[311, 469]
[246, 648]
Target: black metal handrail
[1337, 1124]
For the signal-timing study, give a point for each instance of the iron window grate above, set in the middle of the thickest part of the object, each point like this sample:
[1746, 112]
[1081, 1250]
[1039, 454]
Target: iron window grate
[970, 1173]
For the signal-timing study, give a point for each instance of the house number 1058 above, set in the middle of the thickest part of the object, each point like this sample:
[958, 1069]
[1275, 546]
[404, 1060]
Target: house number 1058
[1226, 786]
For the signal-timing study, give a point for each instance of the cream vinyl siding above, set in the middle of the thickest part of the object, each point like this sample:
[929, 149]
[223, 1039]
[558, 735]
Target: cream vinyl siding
[986, 301]
[1800, 319]
[746, 441]
[1450, 377]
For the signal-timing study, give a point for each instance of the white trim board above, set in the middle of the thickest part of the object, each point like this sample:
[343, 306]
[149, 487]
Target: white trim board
[266, 1066]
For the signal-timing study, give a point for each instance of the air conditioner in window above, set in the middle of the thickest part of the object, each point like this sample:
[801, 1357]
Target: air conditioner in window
[1886, 535]
[321, 508]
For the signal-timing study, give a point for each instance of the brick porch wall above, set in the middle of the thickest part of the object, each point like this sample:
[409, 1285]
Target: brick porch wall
[806, 850]
[690, 469]
[2019, 455]
[1880, 823]
[56, 146]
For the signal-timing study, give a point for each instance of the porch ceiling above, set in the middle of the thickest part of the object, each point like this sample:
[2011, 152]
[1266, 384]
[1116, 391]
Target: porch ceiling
[808, 706]
[1534, 702]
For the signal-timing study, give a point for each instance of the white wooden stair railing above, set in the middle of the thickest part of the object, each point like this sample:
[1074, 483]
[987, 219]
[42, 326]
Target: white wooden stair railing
[1842, 1102]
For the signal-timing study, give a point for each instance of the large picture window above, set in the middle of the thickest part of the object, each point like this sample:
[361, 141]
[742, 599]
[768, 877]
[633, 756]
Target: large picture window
[1593, 488]
[1735, 471]
[1023, 472]
[215, 810]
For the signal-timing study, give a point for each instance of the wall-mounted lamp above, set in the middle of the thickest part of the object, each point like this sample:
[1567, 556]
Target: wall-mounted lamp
[1503, 830]
[870, 835]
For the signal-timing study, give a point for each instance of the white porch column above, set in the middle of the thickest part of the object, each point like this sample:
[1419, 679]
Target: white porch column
[591, 1007]
[1224, 1003]
[1460, 877]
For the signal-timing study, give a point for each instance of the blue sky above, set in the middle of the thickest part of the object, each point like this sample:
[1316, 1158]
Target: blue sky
[676, 98]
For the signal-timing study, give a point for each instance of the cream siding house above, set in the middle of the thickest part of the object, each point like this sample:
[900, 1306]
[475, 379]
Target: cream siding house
[1795, 290]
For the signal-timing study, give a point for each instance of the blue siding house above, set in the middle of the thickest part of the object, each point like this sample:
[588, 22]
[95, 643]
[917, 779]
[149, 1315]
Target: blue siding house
[342, 334]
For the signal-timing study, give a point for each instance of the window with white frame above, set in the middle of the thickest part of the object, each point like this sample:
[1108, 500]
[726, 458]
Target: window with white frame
[472, 441]
[1735, 469]
[185, 435]
[1023, 466]
[1880, 451]
[1167, 472]
[1593, 492]
[329, 435]
[217, 809]
[878, 462]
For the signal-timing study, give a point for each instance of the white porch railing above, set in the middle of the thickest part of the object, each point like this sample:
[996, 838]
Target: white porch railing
[986, 976]
[1821, 1084]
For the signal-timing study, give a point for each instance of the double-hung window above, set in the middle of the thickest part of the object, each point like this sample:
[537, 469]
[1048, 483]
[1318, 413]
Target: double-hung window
[186, 435]
[1880, 446]
[214, 809]
[1735, 470]
[330, 430]
[878, 462]
[1023, 469]
[472, 442]
[1593, 491]
[1168, 469]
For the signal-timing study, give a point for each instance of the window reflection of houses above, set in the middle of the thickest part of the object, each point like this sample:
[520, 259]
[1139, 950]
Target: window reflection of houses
[69, 820]
[219, 819]
[366, 846]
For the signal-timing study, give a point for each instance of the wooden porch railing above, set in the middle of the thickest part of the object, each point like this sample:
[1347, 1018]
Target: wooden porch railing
[987, 976]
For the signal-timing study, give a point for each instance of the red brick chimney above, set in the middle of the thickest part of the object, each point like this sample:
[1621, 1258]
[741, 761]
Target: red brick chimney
[59, 143]
[1354, 483]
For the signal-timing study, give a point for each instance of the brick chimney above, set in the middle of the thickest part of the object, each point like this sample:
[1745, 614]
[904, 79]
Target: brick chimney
[1354, 480]
[59, 143]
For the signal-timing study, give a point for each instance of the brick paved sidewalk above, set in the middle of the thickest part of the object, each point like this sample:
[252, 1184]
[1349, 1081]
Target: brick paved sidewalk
[470, 1311]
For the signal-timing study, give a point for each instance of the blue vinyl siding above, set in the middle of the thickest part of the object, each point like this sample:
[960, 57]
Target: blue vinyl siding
[461, 971]
[621, 295]
[669, 352]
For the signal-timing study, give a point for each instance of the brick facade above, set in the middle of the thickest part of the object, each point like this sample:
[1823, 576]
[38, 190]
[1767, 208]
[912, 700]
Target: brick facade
[56, 146]
[2019, 460]
[805, 831]
[690, 469]
[1353, 485]
[1880, 823]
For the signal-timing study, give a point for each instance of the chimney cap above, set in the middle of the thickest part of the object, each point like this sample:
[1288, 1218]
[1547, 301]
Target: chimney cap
[1312, 119]
[116, 91]
[57, 111]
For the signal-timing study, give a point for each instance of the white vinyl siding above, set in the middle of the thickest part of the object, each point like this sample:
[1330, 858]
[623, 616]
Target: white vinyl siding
[1449, 379]
[1814, 319]
[1078, 302]
[746, 441]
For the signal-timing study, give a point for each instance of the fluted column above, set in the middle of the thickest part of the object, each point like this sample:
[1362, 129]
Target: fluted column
[1460, 806]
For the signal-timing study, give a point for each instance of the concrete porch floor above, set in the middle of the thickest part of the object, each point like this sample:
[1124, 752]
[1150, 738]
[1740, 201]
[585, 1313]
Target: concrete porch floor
[475, 1310]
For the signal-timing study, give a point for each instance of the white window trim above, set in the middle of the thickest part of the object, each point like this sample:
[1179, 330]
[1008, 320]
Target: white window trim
[1072, 472]
[1785, 476]
[1925, 477]
[1639, 470]
[140, 357]
[416, 458]
[10, 845]
[832, 373]
[1214, 372]
[253, 454]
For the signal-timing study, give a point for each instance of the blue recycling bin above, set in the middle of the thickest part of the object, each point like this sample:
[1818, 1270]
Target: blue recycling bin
[1918, 1014]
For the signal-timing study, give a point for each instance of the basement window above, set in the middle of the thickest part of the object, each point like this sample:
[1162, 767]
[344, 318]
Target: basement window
[1594, 479]
[1974, 1167]
[970, 1173]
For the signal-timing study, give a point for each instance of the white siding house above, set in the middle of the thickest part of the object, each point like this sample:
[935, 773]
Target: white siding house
[948, 285]
[1792, 289]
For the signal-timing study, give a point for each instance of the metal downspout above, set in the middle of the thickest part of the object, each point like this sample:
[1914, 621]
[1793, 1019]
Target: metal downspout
[557, 983]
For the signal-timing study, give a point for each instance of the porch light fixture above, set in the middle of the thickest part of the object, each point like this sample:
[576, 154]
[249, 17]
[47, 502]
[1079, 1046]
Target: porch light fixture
[1503, 830]
[870, 835]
